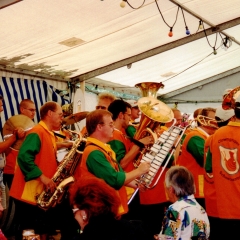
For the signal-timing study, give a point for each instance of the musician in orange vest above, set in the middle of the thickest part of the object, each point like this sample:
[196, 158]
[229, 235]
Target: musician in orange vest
[155, 201]
[27, 108]
[222, 117]
[192, 155]
[223, 162]
[99, 160]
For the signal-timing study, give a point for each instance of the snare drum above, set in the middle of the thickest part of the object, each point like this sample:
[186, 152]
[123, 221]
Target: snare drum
[61, 154]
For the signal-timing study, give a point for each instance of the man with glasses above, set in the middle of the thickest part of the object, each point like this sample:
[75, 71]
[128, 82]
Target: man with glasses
[18, 133]
[126, 151]
[99, 159]
[27, 108]
[104, 100]
[36, 166]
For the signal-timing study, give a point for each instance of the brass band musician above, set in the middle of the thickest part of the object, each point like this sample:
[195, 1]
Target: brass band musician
[99, 159]
[26, 108]
[36, 166]
[192, 155]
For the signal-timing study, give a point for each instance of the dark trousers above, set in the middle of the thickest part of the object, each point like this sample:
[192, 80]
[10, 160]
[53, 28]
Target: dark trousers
[29, 216]
[227, 229]
[152, 216]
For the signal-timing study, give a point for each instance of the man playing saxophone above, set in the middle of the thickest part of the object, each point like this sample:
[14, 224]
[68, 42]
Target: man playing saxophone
[36, 166]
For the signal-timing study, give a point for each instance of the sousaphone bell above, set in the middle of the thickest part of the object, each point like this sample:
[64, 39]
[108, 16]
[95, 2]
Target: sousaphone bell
[230, 99]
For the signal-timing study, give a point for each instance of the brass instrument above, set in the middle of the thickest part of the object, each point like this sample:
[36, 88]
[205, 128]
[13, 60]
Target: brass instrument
[230, 99]
[63, 176]
[207, 122]
[149, 89]
[153, 111]
[67, 109]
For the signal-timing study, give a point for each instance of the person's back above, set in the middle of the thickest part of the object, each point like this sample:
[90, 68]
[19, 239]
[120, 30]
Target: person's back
[185, 219]
[225, 152]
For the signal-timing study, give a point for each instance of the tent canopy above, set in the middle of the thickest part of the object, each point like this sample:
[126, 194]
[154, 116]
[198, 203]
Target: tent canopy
[112, 47]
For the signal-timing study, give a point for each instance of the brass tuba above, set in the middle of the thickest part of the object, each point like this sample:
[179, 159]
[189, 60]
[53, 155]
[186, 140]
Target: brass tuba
[230, 99]
[153, 112]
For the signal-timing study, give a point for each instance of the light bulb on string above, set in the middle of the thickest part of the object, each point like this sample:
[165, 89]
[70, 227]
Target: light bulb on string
[187, 31]
[123, 3]
[226, 43]
[200, 24]
[214, 51]
[170, 34]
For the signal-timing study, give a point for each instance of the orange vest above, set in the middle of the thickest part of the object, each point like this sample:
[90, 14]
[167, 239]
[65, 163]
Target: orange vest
[46, 162]
[225, 149]
[11, 159]
[157, 194]
[187, 160]
[209, 187]
[83, 171]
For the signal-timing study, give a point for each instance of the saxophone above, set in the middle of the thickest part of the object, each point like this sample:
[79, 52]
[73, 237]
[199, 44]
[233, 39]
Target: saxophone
[63, 176]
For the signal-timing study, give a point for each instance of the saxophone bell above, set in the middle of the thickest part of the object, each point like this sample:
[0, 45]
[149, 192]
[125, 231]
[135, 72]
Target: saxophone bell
[63, 176]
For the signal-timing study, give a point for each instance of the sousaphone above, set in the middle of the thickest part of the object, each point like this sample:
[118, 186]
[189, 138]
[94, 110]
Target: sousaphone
[230, 99]
[153, 111]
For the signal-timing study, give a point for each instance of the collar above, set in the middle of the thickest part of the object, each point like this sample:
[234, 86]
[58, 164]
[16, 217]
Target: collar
[202, 131]
[235, 124]
[106, 147]
[43, 124]
[186, 197]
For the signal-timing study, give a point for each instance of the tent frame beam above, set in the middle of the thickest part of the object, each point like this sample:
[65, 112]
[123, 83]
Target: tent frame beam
[155, 51]
[200, 83]
[201, 18]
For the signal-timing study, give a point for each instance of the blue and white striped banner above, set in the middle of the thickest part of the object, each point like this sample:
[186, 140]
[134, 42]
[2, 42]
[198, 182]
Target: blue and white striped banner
[14, 90]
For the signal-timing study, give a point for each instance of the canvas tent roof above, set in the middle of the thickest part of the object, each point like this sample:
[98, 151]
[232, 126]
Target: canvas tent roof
[94, 41]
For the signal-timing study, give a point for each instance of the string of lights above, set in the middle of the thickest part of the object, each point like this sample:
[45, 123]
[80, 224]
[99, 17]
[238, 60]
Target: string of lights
[213, 47]
[187, 30]
[226, 42]
[170, 34]
[123, 4]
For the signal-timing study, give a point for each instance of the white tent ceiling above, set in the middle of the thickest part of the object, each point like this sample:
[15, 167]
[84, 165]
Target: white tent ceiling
[102, 38]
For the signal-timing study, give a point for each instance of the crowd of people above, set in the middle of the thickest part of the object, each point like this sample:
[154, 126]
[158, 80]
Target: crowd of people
[195, 197]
